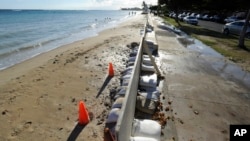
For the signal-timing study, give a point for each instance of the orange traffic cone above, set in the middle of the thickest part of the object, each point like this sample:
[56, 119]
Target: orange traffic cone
[83, 114]
[111, 70]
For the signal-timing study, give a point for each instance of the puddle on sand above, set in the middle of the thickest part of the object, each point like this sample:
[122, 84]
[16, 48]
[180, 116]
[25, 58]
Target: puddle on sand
[227, 69]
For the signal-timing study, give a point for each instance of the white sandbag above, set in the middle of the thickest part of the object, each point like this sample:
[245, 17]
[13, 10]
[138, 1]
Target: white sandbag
[150, 50]
[146, 128]
[149, 68]
[146, 56]
[142, 139]
[147, 61]
[130, 64]
[118, 103]
[150, 95]
[128, 69]
[148, 89]
[150, 34]
[126, 72]
[152, 44]
[121, 92]
[132, 54]
[125, 82]
[131, 59]
[127, 76]
[146, 105]
[149, 30]
[148, 80]
[113, 115]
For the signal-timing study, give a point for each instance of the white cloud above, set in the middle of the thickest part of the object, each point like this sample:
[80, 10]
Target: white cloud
[117, 4]
[73, 4]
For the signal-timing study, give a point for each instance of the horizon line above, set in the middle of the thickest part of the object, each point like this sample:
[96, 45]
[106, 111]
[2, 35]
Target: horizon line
[67, 9]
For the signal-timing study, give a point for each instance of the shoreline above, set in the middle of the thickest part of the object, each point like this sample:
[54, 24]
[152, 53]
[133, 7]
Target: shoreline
[38, 60]
[18, 53]
[39, 97]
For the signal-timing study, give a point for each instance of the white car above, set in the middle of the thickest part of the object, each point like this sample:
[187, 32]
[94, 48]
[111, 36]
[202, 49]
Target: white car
[236, 28]
[191, 20]
[231, 19]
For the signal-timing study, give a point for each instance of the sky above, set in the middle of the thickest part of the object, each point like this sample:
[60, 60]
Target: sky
[73, 4]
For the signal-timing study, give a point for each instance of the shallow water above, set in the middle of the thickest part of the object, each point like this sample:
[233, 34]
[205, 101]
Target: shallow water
[27, 33]
[226, 68]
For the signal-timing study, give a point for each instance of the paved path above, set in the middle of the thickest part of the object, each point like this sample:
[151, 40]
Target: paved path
[202, 102]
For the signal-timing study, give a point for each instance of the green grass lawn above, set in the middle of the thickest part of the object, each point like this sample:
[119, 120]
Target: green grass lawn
[225, 45]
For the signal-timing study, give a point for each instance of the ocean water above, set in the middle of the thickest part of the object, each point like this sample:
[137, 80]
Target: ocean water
[27, 33]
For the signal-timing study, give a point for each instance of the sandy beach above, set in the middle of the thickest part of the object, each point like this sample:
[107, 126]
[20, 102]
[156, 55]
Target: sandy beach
[39, 97]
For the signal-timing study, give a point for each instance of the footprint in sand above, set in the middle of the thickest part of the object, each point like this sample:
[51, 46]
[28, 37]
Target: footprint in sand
[22, 127]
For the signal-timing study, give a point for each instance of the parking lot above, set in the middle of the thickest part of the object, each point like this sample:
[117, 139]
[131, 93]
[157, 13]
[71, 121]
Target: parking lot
[211, 25]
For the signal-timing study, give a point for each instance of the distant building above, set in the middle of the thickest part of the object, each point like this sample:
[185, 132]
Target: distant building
[134, 9]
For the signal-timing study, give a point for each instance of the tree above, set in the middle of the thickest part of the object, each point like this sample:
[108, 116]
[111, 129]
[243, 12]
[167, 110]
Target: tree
[243, 32]
[215, 6]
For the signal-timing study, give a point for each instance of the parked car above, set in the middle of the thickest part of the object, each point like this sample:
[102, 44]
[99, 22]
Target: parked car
[193, 14]
[181, 16]
[231, 19]
[191, 20]
[205, 17]
[236, 28]
[199, 16]
[217, 18]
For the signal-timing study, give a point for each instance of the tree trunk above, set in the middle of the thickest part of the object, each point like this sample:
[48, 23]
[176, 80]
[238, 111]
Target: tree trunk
[243, 32]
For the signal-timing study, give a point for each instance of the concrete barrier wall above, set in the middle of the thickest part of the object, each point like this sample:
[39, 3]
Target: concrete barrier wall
[126, 116]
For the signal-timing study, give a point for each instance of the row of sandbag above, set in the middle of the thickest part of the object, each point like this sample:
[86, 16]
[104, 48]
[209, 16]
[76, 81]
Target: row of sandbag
[148, 96]
[119, 94]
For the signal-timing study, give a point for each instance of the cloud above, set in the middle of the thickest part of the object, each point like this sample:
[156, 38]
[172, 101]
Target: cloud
[73, 4]
[117, 4]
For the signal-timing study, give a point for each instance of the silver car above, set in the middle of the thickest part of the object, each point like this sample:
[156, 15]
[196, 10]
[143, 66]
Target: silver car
[191, 20]
[236, 28]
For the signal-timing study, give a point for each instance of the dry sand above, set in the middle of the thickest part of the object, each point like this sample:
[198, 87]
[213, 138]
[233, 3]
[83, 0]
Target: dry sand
[39, 97]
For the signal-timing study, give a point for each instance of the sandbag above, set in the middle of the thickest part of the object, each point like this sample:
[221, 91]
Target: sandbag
[121, 92]
[127, 72]
[130, 64]
[132, 54]
[147, 61]
[131, 59]
[142, 139]
[125, 82]
[155, 95]
[147, 129]
[113, 115]
[152, 44]
[148, 68]
[127, 76]
[148, 80]
[146, 105]
[128, 69]
[118, 103]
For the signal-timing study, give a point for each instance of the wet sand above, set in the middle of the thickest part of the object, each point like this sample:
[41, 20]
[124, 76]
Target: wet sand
[39, 97]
